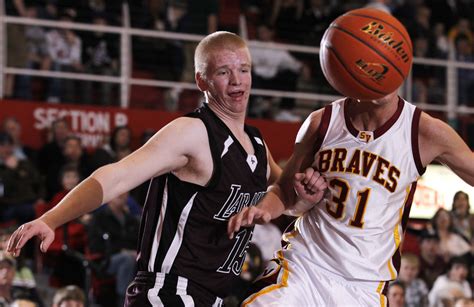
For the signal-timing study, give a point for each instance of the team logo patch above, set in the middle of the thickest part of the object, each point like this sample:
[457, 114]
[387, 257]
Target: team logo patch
[366, 136]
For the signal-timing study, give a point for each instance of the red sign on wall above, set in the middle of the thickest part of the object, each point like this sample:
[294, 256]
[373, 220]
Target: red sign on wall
[94, 124]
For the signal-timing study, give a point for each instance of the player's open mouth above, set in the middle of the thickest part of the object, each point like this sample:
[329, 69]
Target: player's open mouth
[236, 94]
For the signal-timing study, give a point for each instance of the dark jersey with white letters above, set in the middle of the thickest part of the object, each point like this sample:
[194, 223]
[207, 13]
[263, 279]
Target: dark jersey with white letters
[184, 225]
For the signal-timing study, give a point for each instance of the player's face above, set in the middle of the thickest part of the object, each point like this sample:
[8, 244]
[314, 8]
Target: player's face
[229, 79]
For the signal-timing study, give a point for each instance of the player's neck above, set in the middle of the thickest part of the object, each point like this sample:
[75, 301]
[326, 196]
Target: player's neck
[234, 121]
[368, 116]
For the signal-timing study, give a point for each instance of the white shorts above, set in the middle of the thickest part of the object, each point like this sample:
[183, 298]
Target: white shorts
[291, 281]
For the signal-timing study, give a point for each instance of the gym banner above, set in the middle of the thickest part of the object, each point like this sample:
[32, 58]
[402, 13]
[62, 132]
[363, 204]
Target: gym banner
[94, 124]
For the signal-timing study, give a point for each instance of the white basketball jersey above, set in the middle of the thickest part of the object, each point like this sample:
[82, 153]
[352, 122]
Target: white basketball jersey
[372, 178]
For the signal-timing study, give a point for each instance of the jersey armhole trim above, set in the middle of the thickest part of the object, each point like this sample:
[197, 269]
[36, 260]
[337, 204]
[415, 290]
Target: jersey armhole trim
[216, 162]
[414, 141]
[323, 128]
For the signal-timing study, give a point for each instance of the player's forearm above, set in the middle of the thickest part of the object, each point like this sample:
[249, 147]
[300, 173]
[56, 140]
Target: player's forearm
[87, 196]
[300, 207]
[273, 202]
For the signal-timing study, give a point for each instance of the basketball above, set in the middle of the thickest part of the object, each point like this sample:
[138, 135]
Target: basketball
[366, 54]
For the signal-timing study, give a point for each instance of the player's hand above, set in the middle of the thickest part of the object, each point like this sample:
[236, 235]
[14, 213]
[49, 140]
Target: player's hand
[310, 186]
[249, 216]
[26, 232]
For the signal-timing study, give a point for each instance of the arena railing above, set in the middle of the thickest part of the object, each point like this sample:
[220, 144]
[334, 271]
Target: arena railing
[125, 80]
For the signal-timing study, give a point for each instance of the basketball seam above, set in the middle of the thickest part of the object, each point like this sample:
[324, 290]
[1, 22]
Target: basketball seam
[330, 48]
[376, 51]
[379, 19]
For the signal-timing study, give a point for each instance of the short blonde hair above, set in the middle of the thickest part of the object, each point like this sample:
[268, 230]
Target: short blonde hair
[216, 41]
[411, 259]
[69, 293]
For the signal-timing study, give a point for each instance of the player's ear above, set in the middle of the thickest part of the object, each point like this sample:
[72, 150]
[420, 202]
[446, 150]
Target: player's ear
[201, 82]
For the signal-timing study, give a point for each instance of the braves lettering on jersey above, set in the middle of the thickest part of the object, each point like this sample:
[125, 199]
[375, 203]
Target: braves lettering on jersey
[372, 178]
[183, 229]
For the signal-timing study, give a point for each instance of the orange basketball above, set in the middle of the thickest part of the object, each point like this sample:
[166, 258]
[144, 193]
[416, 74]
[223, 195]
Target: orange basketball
[366, 54]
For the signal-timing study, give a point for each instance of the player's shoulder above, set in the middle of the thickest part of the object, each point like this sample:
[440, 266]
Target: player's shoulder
[182, 129]
[187, 124]
[432, 128]
[311, 125]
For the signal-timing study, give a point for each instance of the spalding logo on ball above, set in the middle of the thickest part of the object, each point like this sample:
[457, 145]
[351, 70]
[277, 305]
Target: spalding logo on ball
[366, 54]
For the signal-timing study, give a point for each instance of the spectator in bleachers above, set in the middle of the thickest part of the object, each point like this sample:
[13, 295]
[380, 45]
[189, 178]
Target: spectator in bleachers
[70, 296]
[420, 26]
[465, 53]
[37, 52]
[8, 291]
[406, 12]
[71, 235]
[64, 51]
[88, 9]
[274, 69]
[452, 285]
[51, 153]
[316, 19]
[25, 280]
[12, 126]
[396, 294]
[469, 256]
[117, 148]
[450, 243]
[416, 291]
[200, 18]
[74, 154]
[100, 55]
[462, 219]
[17, 50]
[113, 232]
[432, 264]
[21, 186]
[462, 27]
[286, 20]
[422, 74]
[441, 42]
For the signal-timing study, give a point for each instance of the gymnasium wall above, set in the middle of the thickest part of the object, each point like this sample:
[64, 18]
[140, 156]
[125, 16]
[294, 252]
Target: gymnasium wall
[94, 124]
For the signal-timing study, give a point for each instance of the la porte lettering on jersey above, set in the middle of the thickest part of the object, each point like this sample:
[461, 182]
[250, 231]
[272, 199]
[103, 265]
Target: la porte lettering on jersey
[236, 202]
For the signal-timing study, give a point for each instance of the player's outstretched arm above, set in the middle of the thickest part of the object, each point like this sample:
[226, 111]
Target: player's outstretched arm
[438, 141]
[161, 154]
[281, 196]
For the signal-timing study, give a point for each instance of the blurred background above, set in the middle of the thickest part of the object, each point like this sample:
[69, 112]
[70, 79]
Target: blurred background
[83, 83]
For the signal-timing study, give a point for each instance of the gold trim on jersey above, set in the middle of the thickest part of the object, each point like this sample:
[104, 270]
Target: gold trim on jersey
[396, 233]
[383, 302]
[283, 283]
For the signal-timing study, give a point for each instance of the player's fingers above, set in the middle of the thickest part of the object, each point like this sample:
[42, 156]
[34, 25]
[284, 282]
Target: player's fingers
[251, 213]
[300, 188]
[46, 242]
[308, 175]
[311, 185]
[298, 177]
[231, 225]
[13, 241]
[265, 217]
